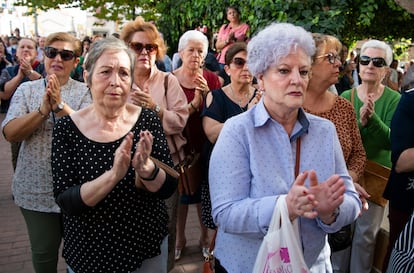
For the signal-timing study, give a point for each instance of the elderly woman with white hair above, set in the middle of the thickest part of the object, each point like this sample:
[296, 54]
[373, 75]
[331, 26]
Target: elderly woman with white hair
[374, 105]
[277, 149]
[196, 83]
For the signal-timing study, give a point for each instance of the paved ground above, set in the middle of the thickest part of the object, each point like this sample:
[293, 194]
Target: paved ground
[15, 255]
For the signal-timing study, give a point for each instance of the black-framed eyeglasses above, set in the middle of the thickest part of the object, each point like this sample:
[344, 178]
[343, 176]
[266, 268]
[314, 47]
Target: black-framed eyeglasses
[138, 47]
[377, 61]
[52, 52]
[239, 62]
[331, 57]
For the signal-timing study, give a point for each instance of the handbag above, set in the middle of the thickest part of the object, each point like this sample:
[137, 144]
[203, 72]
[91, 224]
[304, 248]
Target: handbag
[190, 177]
[280, 250]
[190, 172]
[189, 167]
[341, 239]
[375, 177]
[375, 180]
[208, 266]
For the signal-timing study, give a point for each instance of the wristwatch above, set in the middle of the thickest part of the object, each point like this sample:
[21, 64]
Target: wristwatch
[157, 108]
[60, 107]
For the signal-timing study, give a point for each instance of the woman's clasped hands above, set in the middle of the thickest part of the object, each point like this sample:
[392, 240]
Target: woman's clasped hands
[366, 111]
[318, 200]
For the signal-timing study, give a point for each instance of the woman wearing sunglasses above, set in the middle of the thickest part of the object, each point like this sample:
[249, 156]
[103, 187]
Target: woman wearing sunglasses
[161, 92]
[321, 102]
[374, 105]
[35, 108]
[196, 83]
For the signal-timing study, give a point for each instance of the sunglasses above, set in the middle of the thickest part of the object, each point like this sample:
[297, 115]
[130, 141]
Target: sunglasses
[377, 61]
[138, 47]
[239, 62]
[52, 52]
[332, 58]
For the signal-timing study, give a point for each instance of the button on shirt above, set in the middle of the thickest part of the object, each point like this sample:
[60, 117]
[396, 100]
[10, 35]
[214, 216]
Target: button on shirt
[252, 163]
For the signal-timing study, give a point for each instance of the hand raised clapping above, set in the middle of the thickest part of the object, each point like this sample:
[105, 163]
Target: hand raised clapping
[367, 110]
[320, 199]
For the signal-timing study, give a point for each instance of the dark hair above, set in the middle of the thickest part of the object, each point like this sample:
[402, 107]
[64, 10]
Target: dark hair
[233, 50]
[86, 39]
[236, 8]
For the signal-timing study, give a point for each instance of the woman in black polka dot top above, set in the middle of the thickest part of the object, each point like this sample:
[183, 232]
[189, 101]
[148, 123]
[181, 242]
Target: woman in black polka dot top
[109, 189]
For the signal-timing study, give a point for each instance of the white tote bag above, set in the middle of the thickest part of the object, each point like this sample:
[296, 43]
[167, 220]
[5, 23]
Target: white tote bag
[280, 250]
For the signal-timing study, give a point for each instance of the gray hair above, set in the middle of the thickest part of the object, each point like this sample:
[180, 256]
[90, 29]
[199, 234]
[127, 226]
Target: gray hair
[275, 42]
[380, 45]
[193, 35]
[103, 45]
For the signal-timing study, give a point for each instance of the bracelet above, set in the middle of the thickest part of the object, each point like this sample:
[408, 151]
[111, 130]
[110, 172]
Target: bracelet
[41, 114]
[192, 106]
[153, 175]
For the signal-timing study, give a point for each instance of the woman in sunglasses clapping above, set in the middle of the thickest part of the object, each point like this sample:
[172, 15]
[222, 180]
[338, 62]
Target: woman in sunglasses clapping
[35, 108]
[374, 105]
[161, 92]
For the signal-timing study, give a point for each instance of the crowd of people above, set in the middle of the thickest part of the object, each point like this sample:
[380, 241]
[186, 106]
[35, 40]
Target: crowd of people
[100, 129]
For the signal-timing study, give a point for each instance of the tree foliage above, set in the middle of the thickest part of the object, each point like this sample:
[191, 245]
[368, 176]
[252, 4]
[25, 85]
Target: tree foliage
[348, 20]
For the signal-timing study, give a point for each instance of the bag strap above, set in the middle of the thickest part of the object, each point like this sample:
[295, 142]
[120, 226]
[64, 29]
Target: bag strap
[165, 167]
[297, 162]
[166, 83]
[352, 95]
[172, 137]
[178, 152]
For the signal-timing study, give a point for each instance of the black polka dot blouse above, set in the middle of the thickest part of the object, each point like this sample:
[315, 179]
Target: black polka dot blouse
[129, 224]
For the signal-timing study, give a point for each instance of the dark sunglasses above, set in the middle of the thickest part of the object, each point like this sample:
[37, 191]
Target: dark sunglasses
[239, 62]
[377, 61]
[52, 52]
[331, 57]
[138, 47]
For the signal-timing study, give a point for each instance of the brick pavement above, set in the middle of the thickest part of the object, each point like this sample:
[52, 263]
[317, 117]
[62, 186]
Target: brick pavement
[15, 254]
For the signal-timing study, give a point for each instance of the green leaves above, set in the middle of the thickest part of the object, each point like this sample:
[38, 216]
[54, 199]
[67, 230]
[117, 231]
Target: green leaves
[345, 19]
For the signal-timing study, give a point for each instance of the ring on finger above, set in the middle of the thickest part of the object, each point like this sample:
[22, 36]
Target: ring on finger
[144, 104]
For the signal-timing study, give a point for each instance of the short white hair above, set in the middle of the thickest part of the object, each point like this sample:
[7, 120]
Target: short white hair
[193, 35]
[380, 45]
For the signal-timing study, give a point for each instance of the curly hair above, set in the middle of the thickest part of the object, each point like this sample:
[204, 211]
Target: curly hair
[274, 42]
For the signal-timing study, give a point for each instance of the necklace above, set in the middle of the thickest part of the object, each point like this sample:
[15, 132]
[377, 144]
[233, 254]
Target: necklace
[239, 101]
